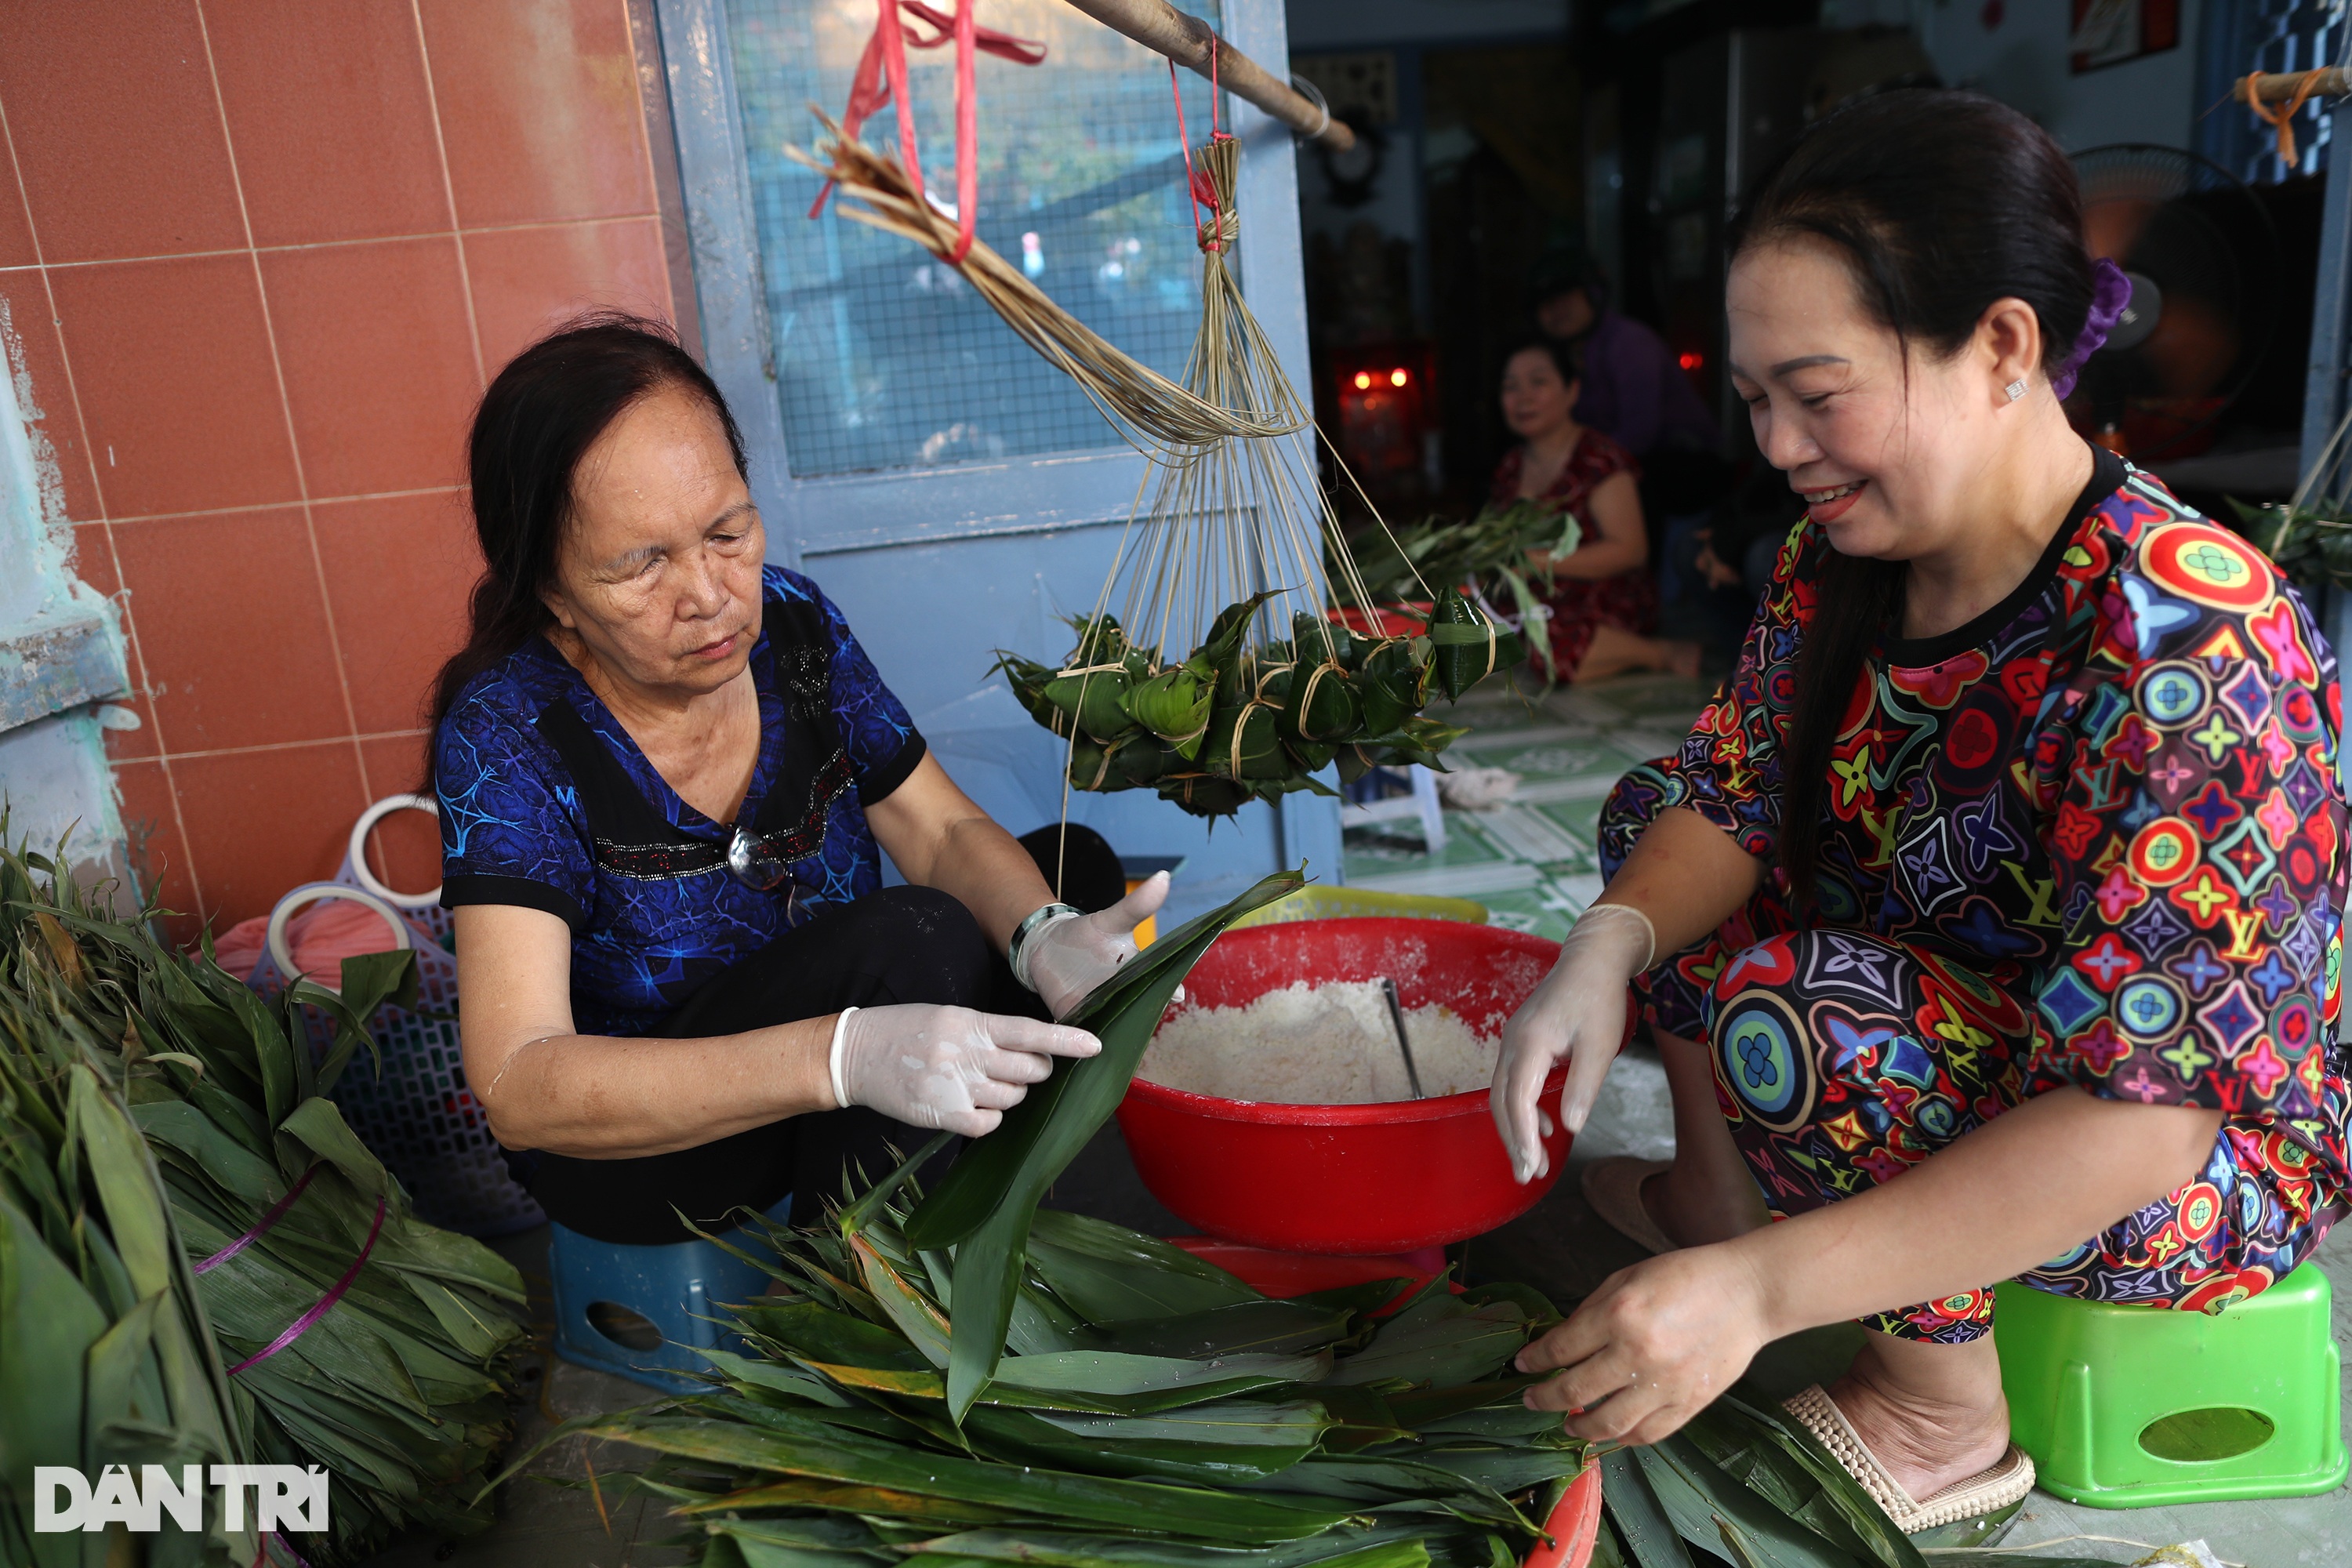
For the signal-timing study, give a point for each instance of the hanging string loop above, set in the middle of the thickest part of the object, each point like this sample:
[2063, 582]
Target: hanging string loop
[881, 81]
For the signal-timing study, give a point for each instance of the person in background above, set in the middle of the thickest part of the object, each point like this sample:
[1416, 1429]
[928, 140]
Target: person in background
[1604, 601]
[1634, 390]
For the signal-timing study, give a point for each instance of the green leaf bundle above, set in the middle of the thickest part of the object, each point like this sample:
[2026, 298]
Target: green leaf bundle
[1227, 726]
[152, 1101]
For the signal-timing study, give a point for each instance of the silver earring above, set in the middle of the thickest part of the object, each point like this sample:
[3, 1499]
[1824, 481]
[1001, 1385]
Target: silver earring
[2016, 389]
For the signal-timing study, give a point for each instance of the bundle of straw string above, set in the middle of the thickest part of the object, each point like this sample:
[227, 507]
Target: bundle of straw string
[1249, 513]
[1161, 419]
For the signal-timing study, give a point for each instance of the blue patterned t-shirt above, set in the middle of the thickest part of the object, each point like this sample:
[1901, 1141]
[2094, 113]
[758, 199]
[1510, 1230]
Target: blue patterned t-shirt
[546, 802]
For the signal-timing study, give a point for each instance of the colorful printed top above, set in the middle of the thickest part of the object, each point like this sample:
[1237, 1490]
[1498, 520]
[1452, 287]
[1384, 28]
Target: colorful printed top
[2114, 793]
[547, 802]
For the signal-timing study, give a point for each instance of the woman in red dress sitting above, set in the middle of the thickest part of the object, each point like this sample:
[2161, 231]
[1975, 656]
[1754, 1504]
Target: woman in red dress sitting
[1604, 601]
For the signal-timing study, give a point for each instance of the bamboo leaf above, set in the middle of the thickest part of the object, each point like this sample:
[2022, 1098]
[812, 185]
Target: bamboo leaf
[834, 1457]
[999, 1179]
[1709, 1509]
[1271, 1327]
[1628, 1502]
[52, 1323]
[1109, 1274]
[923, 1324]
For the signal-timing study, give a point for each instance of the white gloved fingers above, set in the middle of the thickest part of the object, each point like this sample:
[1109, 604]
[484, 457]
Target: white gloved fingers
[998, 1094]
[1138, 907]
[1016, 1034]
[999, 1066]
[1595, 1052]
[1520, 1077]
[975, 1123]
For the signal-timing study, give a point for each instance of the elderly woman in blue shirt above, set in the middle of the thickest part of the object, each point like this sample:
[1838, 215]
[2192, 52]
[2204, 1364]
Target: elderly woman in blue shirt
[665, 771]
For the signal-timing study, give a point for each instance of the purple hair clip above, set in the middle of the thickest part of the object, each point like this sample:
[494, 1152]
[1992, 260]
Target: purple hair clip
[2111, 291]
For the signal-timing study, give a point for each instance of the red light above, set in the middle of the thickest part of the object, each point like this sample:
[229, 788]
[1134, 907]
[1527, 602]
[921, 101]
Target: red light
[1363, 380]
[1692, 359]
[1398, 378]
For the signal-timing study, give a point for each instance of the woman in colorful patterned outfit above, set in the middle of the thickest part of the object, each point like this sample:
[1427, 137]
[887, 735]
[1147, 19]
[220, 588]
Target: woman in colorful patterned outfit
[665, 774]
[1604, 600]
[2011, 856]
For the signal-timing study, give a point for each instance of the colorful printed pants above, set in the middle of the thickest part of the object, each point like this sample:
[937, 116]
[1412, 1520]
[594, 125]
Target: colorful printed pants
[1841, 1059]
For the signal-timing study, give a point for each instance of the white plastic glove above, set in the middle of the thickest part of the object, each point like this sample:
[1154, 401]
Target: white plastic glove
[1579, 1013]
[1070, 955]
[945, 1066]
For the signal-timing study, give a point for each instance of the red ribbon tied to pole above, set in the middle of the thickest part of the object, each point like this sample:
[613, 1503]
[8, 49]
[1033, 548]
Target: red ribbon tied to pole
[881, 81]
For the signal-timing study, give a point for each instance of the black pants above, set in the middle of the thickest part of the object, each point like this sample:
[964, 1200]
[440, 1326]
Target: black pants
[901, 944]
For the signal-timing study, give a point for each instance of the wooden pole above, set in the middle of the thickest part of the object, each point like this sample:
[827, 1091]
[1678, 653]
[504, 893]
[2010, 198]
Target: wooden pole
[2282, 85]
[1163, 29]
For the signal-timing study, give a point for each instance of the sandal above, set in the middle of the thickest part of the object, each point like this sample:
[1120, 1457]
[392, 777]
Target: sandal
[1612, 1187]
[2007, 1482]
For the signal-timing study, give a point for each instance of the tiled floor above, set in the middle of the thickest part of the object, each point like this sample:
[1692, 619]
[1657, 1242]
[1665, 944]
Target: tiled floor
[1531, 863]
[1530, 860]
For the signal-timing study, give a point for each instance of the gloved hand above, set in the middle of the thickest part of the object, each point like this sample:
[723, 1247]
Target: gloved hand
[1578, 1013]
[1071, 955]
[945, 1066]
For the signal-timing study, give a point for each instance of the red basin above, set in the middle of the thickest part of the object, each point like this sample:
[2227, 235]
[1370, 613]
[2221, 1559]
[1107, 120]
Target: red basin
[1349, 1179]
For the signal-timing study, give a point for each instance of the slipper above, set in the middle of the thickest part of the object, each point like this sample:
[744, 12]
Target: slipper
[1612, 1186]
[2007, 1482]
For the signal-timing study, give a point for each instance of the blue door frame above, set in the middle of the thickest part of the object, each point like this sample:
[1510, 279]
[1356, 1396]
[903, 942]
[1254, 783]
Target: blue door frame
[935, 568]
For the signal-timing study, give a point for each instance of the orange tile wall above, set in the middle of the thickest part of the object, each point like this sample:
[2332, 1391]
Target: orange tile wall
[257, 258]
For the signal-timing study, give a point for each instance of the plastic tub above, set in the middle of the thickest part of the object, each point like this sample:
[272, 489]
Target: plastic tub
[1349, 1179]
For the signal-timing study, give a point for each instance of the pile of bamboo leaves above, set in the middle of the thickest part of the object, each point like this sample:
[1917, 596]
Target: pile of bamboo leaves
[152, 1113]
[1231, 724]
[1148, 1410]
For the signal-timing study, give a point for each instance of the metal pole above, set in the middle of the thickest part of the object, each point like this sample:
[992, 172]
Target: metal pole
[1163, 29]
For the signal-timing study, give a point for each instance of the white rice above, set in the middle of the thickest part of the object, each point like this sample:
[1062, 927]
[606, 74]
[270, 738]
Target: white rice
[1317, 1045]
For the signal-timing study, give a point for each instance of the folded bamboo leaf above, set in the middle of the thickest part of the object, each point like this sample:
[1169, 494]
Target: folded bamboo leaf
[53, 1321]
[1630, 1504]
[997, 1183]
[762, 1549]
[774, 1379]
[1710, 1509]
[1747, 1446]
[1873, 1533]
[1109, 1275]
[1505, 1467]
[1350, 1546]
[1448, 1351]
[825, 1335]
[861, 1501]
[834, 1457]
[1119, 1373]
[925, 1327]
[1245, 1328]
[1174, 1396]
[1044, 1324]
[1026, 1437]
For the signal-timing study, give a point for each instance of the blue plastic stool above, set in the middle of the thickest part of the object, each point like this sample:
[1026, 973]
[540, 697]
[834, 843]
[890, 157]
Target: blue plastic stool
[676, 1289]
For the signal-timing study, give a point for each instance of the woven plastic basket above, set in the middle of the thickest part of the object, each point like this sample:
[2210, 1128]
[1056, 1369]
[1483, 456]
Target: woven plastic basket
[416, 1115]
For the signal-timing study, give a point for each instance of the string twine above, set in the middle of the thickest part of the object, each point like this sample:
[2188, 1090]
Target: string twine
[2283, 118]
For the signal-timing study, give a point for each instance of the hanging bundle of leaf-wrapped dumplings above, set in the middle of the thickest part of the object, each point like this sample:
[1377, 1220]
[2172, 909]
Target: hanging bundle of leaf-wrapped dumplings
[1229, 724]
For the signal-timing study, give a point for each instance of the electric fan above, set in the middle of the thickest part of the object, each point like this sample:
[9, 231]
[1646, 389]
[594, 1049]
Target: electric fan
[2203, 256]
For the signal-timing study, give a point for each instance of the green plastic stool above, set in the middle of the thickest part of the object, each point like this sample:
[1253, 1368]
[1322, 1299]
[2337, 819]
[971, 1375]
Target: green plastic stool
[2124, 1406]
